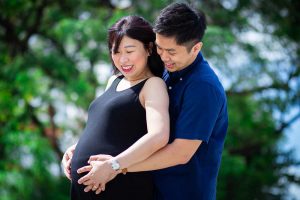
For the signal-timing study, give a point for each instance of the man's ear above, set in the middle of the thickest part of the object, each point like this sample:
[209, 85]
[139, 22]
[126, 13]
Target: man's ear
[197, 47]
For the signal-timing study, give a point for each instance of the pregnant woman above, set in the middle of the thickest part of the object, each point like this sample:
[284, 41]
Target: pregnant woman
[129, 121]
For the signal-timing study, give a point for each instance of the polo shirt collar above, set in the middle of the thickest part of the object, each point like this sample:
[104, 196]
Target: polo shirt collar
[181, 73]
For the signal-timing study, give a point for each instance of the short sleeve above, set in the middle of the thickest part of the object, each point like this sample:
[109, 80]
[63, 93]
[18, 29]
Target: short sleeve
[199, 111]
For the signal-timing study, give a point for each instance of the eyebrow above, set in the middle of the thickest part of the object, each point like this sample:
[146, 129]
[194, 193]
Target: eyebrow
[128, 46]
[164, 49]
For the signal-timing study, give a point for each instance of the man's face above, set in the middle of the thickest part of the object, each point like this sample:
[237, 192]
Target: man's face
[175, 57]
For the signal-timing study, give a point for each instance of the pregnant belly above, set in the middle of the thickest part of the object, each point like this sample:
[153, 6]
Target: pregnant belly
[83, 152]
[78, 161]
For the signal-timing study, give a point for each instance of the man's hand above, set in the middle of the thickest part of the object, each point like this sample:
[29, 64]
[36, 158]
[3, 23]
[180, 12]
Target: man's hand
[99, 174]
[66, 161]
[99, 157]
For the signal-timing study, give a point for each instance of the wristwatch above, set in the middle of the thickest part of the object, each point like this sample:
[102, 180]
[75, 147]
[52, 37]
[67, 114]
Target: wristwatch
[115, 165]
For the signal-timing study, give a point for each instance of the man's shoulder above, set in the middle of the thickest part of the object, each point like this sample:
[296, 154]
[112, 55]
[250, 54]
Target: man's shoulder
[200, 83]
[204, 76]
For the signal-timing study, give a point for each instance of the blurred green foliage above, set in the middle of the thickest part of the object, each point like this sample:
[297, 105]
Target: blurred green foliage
[50, 55]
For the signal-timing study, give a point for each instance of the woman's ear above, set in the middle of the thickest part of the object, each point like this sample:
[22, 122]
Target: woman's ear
[150, 48]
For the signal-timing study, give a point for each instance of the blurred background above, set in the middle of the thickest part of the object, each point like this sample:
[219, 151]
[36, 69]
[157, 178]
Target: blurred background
[54, 61]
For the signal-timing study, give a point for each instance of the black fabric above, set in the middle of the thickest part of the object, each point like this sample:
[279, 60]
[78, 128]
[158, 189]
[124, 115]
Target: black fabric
[116, 120]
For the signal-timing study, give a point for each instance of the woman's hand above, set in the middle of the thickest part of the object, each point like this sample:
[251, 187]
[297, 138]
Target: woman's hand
[66, 161]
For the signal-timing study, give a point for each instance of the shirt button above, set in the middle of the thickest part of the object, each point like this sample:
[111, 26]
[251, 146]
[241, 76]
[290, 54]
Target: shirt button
[170, 88]
[180, 79]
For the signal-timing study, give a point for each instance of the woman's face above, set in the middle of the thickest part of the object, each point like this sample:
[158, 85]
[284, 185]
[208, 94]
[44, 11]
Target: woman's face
[131, 59]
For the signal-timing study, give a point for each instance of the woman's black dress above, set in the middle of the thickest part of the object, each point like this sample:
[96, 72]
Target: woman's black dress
[116, 120]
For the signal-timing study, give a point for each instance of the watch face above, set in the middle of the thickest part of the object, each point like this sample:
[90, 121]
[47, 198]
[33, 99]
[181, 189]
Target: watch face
[115, 165]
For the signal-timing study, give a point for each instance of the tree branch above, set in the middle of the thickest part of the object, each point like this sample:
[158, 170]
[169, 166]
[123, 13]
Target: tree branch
[287, 123]
[10, 37]
[48, 133]
[39, 14]
[245, 92]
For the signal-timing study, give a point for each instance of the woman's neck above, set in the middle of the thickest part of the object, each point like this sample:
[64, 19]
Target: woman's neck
[134, 80]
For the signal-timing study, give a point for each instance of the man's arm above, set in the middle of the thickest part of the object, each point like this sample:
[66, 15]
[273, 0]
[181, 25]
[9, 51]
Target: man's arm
[180, 151]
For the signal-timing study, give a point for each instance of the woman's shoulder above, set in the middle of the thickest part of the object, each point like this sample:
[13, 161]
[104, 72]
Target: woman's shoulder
[111, 80]
[154, 80]
[155, 90]
[154, 85]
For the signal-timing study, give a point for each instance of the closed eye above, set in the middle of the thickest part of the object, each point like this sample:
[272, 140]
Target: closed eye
[171, 53]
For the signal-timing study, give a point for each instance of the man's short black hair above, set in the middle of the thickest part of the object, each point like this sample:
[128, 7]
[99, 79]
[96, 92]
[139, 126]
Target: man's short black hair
[179, 20]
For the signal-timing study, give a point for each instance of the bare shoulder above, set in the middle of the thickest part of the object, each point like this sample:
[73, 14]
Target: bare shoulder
[155, 87]
[155, 82]
[154, 92]
[111, 80]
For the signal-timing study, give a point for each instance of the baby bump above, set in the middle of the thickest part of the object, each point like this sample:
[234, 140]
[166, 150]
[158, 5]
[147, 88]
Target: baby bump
[76, 163]
[82, 154]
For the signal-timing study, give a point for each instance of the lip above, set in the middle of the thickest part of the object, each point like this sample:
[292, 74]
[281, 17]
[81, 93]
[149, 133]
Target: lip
[127, 68]
[169, 65]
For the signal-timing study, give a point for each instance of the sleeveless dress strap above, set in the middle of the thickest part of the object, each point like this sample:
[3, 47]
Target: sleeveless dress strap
[116, 82]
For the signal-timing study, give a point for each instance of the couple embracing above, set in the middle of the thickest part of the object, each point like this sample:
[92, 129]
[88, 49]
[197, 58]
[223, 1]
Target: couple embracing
[158, 130]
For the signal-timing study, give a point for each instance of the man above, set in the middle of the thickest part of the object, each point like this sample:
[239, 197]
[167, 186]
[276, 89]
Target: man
[188, 166]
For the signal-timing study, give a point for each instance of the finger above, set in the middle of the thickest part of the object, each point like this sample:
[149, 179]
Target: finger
[89, 182]
[103, 187]
[92, 163]
[69, 177]
[84, 169]
[65, 168]
[88, 188]
[92, 158]
[98, 191]
[64, 160]
[68, 174]
[68, 164]
[95, 187]
[73, 149]
[70, 154]
[84, 179]
[99, 157]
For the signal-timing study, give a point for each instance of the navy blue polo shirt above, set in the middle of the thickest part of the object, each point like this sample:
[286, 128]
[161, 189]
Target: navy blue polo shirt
[198, 111]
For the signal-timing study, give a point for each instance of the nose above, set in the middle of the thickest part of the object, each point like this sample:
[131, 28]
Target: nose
[164, 56]
[123, 59]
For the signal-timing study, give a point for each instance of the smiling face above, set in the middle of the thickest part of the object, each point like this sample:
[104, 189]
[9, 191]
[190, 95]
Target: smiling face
[175, 57]
[131, 59]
